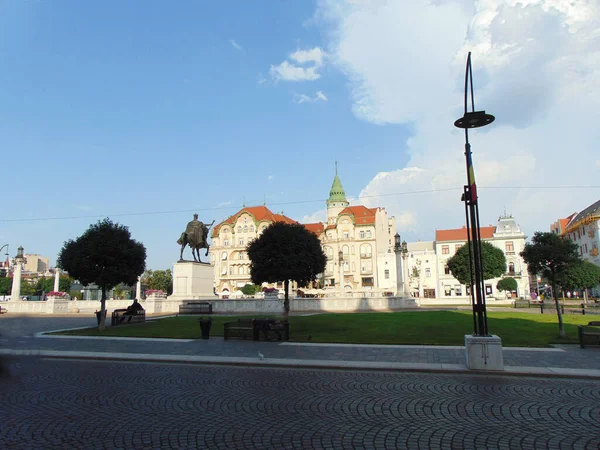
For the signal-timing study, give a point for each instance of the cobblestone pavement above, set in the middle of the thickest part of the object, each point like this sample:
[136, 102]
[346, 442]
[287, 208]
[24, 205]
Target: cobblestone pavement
[81, 404]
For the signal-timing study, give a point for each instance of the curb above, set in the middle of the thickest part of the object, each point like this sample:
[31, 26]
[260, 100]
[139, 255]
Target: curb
[544, 372]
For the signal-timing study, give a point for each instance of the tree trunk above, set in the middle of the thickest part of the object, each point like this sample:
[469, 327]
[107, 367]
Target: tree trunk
[102, 309]
[286, 299]
[585, 296]
[561, 327]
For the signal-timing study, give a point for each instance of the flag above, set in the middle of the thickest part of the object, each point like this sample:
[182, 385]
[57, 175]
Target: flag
[471, 178]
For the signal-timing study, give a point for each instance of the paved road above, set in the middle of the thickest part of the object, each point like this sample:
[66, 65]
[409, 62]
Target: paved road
[54, 404]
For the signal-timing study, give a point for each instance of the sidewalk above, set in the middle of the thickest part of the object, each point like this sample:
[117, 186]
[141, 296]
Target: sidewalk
[567, 361]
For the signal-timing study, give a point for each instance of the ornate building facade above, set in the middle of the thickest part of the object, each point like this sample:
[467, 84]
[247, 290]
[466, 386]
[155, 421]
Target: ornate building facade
[357, 240]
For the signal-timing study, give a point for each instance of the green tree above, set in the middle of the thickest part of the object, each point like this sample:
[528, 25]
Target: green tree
[582, 275]
[285, 252]
[492, 260]
[250, 289]
[27, 287]
[105, 254]
[507, 284]
[551, 255]
[5, 286]
[158, 279]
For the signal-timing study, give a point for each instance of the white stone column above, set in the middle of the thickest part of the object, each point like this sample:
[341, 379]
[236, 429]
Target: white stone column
[16, 284]
[405, 276]
[138, 289]
[56, 280]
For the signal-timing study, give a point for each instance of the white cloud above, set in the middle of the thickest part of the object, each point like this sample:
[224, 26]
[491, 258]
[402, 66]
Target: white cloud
[270, 177]
[314, 55]
[295, 72]
[319, 216]
[235, 45]
[290, 72]
[303, 98]
[536, 66]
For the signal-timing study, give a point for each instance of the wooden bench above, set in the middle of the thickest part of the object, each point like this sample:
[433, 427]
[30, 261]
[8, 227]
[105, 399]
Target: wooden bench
[271, 329]
[121, 317]
[241, 329]
[196, 308]
[591, 330]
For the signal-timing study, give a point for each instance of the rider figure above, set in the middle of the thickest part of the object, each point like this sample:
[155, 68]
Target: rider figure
[196, 224]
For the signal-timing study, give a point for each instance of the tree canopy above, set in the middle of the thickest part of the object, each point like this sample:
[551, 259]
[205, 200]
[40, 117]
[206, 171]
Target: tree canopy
[492, 260]
[250, 289]
[5, 285]
[551, 256]
[285, 252]
[581, 275]
[159, 280]
[44, 284]
[507, 284]
[105, 254]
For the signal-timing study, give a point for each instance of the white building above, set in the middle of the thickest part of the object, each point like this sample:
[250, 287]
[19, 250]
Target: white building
[421, 269]
[506, 235]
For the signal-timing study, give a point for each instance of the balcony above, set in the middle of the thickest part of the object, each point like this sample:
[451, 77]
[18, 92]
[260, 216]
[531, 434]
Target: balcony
[366, 255]
[366, 271]
[513, 274]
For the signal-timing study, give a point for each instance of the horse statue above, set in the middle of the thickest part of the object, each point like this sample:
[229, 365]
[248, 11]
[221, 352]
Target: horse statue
[196, 237]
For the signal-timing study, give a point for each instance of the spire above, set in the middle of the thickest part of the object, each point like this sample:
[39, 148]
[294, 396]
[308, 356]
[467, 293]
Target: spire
[337, 194]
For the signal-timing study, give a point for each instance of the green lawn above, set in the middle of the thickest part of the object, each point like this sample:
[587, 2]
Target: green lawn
[419, 327]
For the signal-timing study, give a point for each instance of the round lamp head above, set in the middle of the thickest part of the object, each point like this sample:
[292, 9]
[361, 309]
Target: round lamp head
[474, 119]
[20, 252]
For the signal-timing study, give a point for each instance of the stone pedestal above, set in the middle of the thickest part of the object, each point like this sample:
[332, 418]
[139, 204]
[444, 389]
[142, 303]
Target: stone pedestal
[193, 281]
[484, 352]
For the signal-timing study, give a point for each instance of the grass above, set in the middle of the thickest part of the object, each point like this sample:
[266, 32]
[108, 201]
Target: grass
[516, 329]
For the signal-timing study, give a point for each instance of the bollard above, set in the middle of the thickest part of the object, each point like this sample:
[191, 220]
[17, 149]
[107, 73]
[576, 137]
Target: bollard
[583, 309]
[562, 309]
[542, 308]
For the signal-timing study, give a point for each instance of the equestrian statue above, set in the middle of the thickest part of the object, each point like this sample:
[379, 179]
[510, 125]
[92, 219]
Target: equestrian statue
[196, 237]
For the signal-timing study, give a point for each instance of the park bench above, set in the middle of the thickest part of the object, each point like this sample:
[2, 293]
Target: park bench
[242, 328]
[271, 329]
[3, 310]
[268, 329]
[196, 308]
[121, 317]
[591, 330]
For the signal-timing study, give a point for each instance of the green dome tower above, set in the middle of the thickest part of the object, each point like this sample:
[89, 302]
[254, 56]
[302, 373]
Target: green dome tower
[337, 199]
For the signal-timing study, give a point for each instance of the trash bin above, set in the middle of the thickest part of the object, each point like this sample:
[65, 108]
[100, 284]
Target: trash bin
[205, 325]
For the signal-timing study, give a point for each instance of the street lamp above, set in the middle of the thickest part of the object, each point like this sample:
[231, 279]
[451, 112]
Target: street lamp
[401, 248]
[1, 248]
[341, 259]
[473, 119]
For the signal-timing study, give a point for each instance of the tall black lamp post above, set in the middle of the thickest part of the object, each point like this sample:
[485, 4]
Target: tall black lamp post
[474, 119]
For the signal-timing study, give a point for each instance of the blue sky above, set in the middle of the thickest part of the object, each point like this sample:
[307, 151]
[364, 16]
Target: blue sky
[111, 108]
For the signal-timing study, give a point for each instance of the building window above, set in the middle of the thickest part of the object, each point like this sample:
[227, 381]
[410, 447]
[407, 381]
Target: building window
[245, 220]
[223, 270]
[458, 290]
[386, 274]
[225, 230]
[447, 270]
[367, 282]
[345, 250]
[456, 247]
[366, 267]
[245, 228]
[511, 267]
[368, 234]
[445, 249]
[225, 243]
[241, 241]
[224, 256]
[231, 271]
[239, 229]
[346, 266]
[241, 256]
[365, 251]
[362, 234]
[427, 272]
[447, 291]
[241, 270]
[488, 289]
[509, 246]
[251, 228]
[346, 235]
